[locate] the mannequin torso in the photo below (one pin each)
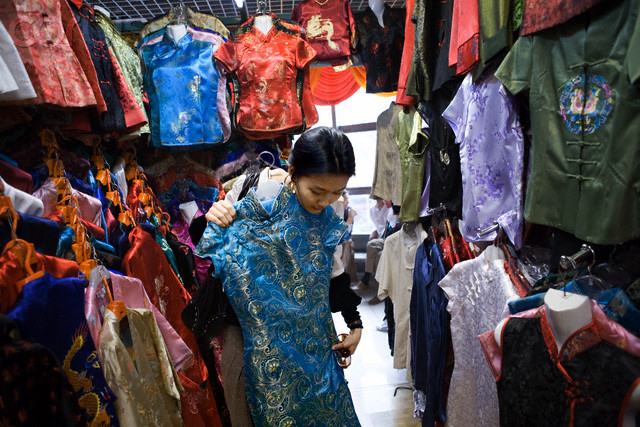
(263, 23)
(176, 32)
(377, 7)
(567, 313)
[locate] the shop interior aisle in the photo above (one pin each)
(372, 379)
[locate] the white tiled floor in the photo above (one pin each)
(372, 379)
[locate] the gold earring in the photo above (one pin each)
(292, 185)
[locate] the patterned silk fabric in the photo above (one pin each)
(195, 19)
(89, 207)
(583, 101)
(275, 267)
(587, 382)
(146, 261)
(127, 59)
(491, 158)
(478, 291)
(76, 37)
(464, 48)
(38, 31)
(131, 291)
(137, 367)
(329, 27)
(182, 83)
(50, 312)
(381, 48)
(539, 15)
(114, 118)
(216, 40)
(268, 67)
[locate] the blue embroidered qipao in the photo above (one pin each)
(181, 81)
(275, 263)
(51, 312)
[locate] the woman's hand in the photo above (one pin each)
(351, 215)
(221, 213)
(350, 342)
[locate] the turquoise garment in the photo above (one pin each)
(614, 302)
(275, 264)
(181, 81)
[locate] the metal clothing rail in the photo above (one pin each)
(144, 10)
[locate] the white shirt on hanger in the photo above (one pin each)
(395, 276)
(478, 291)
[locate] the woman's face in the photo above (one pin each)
(316, 192)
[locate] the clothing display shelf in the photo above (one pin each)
(144, 10)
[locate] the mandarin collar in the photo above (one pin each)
(184, 40)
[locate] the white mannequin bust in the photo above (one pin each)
(377, 7)
(567, 313)
(263, 23)
(177, 31)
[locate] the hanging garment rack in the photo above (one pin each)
(145, 10)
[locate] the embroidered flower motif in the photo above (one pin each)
(586, 101)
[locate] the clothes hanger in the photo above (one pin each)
(179, 13)
(25, 254)
(262, 19)
(409, 228)
(494, 252)
(103, 176)
(584, 258)
(269, 188)
(117, 307)
(262, 8)
(66, 203)
(24, 251)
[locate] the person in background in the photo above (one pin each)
(382, 216)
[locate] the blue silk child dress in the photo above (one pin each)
(181, 81)
(275, 264)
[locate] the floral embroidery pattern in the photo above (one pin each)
(586, 101)
(275, 269)
(491, 159)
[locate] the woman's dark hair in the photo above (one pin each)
(322, 150)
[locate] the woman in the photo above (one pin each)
(275, 264)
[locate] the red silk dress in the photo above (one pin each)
(268, 67)
(38, 31)
(146, 261)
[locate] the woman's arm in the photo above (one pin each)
(343, 299)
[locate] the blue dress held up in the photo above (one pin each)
(275, 264)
